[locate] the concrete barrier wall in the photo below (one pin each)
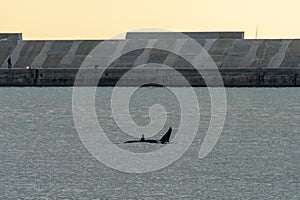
(227, 53)
(175, 35)
(45, 54)
(110, 77)
(241, 62)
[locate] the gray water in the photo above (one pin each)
(256, 157)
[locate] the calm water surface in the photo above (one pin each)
(257, 156)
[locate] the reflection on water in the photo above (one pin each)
(257, 155)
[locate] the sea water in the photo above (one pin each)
(256, 157)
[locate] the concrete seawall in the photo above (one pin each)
(231, 77)
(253, 63)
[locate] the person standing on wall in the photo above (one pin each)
(9, 62)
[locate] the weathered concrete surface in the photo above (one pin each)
(175, 35)
(241, 62)
(88, 77)
(10, 36)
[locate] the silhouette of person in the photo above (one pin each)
(9, 62)
(143, 138)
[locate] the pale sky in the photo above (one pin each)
(103, 19)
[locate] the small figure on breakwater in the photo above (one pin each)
(9, 63)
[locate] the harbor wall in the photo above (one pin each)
(241, 62)
(111, 77)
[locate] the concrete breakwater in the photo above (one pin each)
(231, 77)
(251, 63)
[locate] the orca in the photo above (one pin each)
(164, 140)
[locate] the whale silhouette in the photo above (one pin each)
(164, 140)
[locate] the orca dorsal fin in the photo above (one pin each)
(166, 137)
